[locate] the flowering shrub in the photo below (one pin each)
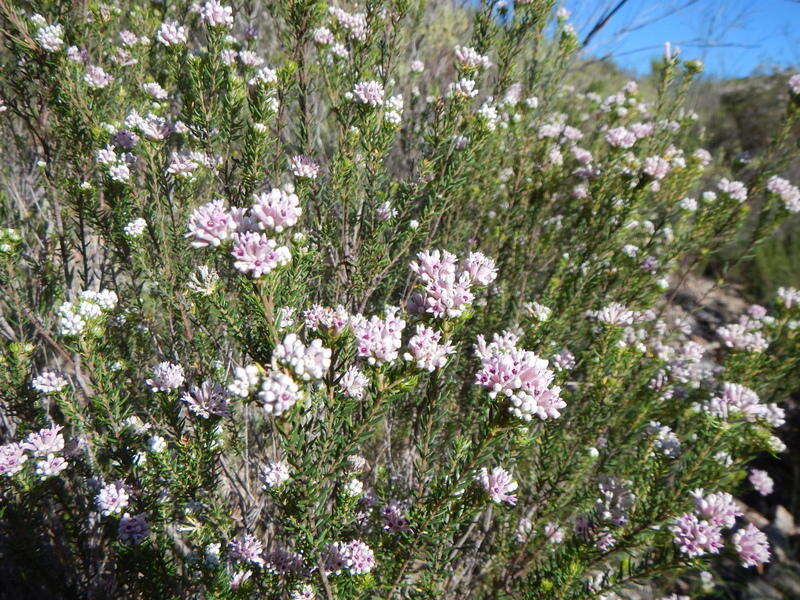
(286, 313)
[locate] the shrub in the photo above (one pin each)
(300, 303)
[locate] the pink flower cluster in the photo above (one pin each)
(752, 546)
(719, 508)
(739, 401)
(45, 445)
(246, 548)
(519, 375)
(112, 499)
(735, 189)
(355, 24)
(277, 209)
(761, 481)
(700, 532)
(207, 399)
(469, 58)
(448, 285)
(210, 224)
(498, 484)
(303, 167)
(278, 393)
(425, 349)
(256, 254)
(133, 529)
(620, 137)
(354, 383)
(308, 362)
(695, 536)
(329, 320)
(378, 340)
(215, 14)
(356, 557)
(166, 377)
(746, 334)
(788, 193)
(369, 92)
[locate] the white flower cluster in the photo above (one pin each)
(77, 317)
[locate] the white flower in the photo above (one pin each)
(50, 37)
(135, 228)
(156, 444)
(353, 488)
(48, 382)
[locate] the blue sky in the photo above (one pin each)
(732, 37)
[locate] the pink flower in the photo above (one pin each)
(424, 348)
(469, 58)
(394, 519)
(214, 14)
(171, 34)
(45, 441)
(278, 393)
(788, 193)
(284, 562)
(208, 399)
(369, 92)
(323, 36)
(735, 189)
(794, 84)
(246, 548)
(354, 383)
(524, 530)
(166, 377)
(97, 78)
(642, 130)
(447, 291)
(354, 23)
(520, 375)
(48, 382)
(133, 530)
(331, 320)
(303, 167)
(735, 400)
(743, 336)
(554, 533)
(480, 268)
(274, 474)
(257, 255)
(12, 458)
(276, 210)
(656, 167)
(51, 465)
(696, 537)
(210, 224)
(112, 499)
(498, 485)
(309, 362)
(360, 557)
(378, 340)
(619, 137)
(615, 314)
(752, 546)
(355, 556)
(761, 481)
(719, 508)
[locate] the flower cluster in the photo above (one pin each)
(447, 285)
(86, 313)
(519, 375)
(498, 485)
